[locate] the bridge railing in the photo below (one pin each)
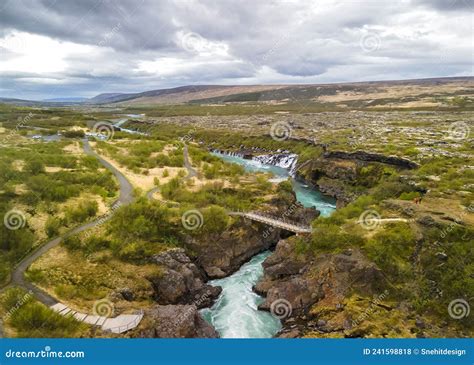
(128, 326)
(260, 216)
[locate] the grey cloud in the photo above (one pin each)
(448, 5)
(303, 41)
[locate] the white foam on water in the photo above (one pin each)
(235, 314)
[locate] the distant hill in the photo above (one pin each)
(107, 97)
(398, 93)
(19, 102)
(178, 95)
(409, 93)
(66, 100)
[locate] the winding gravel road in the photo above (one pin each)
(18, 278)
(125, 197)
(191, 173)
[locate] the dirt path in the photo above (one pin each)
(18, 278)
(191, 173)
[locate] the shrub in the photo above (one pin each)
(74, 134)
(285, 187)
(133, 252)
(369, 176)
(34, 167)
(35, 320)
(94, 244)
(409, 195)
(328, 237)
(90, 162)
(52, 226)
(390, 249)
(390, 189)
(84, 211)
(13, 298)
(72, 242)
(142, 220)
(215, 219)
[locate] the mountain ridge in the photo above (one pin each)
(325, 92)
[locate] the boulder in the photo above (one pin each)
(175, 321)
(181, 281)
(127, 294)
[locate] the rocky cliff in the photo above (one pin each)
(221, 254)
(372, 157)
(180, 289)
(181, 281)
(312, 285)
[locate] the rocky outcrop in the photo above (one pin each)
(310, 283)
(372, 157)
(302, 215)
(181, 281)
(336, 189)
(222, 254)
(333, 177)
(174, 321)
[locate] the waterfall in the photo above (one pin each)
(227, 153)
(287, 161)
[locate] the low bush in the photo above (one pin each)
(52, 226)
(82, 212)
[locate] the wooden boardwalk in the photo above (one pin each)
(274, 222)
(119, 324)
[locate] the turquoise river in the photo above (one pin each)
(235, 313)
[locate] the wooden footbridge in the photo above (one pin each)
(274, 222)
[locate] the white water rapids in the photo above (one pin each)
(235, 314)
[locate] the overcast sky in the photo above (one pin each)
(57, 48)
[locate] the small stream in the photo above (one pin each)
(235, 314)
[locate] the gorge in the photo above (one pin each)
(236, 312)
